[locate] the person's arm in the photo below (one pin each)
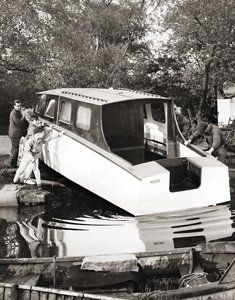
(193, 136)
(28, 145)
(17, 119)
(216, 140)
(51, 136)
(185, 126)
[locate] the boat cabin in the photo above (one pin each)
(128, 127)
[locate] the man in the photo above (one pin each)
(34, 122)
(182, 121)
(17, 128)
(30, 159)
(214, 139)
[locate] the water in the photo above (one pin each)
(86, 226)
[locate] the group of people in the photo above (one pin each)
(211, 132)
(28, 133)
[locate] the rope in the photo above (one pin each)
(188, 278)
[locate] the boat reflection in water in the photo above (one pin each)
(68, 230)
(72, 235)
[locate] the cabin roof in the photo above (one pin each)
(100, 96)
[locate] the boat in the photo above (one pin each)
(22, 292)
(122, 145)
(201, 270)
(215, 291)
(222, 289)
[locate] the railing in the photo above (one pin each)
(23, 292)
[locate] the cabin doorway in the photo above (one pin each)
(123, 128)
(155, 130)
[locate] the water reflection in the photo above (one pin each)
(68, 230)
(89, 236)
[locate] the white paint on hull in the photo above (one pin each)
(140, 189)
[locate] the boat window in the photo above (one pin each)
(50, 110)
(158, 112)
(83, 119)
(65, 112)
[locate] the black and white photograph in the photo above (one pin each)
(117, 149)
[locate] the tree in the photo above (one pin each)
(49, 44)
(202, 34)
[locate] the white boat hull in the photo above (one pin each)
(140, 189)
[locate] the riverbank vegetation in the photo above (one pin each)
(117, 43)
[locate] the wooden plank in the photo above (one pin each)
(60, 297)
(14, 292)
(217, 247)
(2, 291)
(79, 259)
(26, 279)
(24, 295)
(69, 298)
(7, 294)
(229, 275)
(35, 295)
(43, 295)
(52, 296)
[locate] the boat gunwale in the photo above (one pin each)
(198, 248)
(64, 259)
(62, 292)
(205, 289)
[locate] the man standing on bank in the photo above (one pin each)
(17, 128)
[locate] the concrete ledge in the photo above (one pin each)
(8, 195)
(14, 195)
(32, 196)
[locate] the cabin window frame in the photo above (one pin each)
(62, 102)
(83, 125)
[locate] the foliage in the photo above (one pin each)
(50, 44)
(202, 36)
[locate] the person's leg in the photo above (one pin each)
(21, 150)
(27, 173)
(37, 173)
(19, 176)
(14, 151)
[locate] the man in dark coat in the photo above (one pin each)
(214, 139)
(17, 128)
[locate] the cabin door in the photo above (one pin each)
(123, 128)
(159, 130)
